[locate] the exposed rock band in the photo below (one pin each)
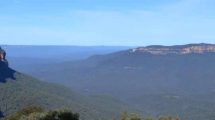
(3, 56)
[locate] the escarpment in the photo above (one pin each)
(179, 49)
(5, 71)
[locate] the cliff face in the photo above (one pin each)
(181, 49)
(3, 60)
(5, 71)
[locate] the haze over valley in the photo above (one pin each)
(153, 80)
(107, 60)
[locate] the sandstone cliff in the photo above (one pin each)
(180, 49)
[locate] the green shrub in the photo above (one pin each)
(37, 113)
(61, 115)
(126, 116)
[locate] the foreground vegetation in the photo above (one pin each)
(126, 116)
(37, 113)
(27, 91)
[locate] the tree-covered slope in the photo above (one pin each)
(150, 73)
(25, 91)
(19, 90)
(157, 79)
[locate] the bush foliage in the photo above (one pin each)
(37, 113)
(126, 116)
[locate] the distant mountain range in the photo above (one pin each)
(65, 53)
(24, 58)
(176, 80)
(19, 90)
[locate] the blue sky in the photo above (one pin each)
(107, 22)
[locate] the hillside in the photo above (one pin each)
(178, 73)
(19, 90)
(158, 79)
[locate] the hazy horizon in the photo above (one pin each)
(43, 45)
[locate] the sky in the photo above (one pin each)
(107, 22)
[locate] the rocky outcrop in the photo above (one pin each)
(5, 71)
(3, 60)
(180, 49)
